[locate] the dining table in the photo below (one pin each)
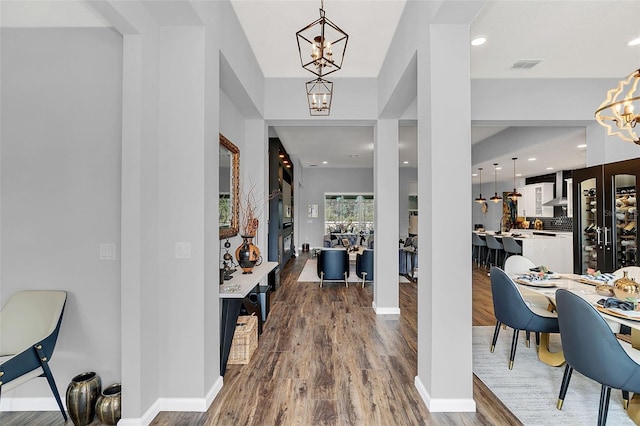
(585, 287)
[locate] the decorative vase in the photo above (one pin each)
(247, 254)
(108, 405)
(82, 394)
(626, 287)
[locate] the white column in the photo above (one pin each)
(385, 188)
(445, 377)
(254, 166)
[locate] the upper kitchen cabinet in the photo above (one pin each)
(534, 196)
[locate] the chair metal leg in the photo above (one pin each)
(495, 336)
(321, 278)
(364, 276)
(625, 399)
(603, 410)
(514, 346)
(564, 386)
(527, 338)
(345, 279)
(44, 362)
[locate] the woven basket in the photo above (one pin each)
(245, 340)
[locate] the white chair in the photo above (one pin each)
(632, 272)
(29, 326)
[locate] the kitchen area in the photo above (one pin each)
(578, 221)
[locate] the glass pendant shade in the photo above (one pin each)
(322, 45)
(480, 198)
(496, 198)
(514, 195)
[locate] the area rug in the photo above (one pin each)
(309, 274)
(531, 389)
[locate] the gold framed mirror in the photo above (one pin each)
(229, 173)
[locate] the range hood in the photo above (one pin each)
(558, 201)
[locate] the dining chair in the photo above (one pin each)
(493, 246)
(29, 325)
(333, 264)
(511, 310)
(364, 266)
(510, 246)
(596, 354)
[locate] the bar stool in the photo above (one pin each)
(511, 246)
(493, 246)
(477, 248)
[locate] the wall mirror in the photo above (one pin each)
(229, 188)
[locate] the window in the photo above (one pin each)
(348, 213)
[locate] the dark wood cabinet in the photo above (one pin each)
(605, 216)
(281, 207)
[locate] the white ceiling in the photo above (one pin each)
(573, 39)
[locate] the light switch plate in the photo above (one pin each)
(107, 251)
(182, 250)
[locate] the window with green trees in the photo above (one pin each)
(348, 213)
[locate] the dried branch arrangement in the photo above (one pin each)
(251, 204)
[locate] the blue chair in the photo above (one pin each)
(333, 264)
(478, 246)
(364, 266)
(494, 247)
(591, 348)
(511, 310)
(29, 326)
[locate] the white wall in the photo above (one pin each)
(61, 165)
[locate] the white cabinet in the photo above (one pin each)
(533, 198)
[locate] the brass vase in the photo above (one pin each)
(108, 405)
(247, 254)
(82, 394)
(626, 287)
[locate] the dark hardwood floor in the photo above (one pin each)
(325, 358)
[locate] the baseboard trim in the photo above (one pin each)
(445, 405)
(30, 404)
(385, 311)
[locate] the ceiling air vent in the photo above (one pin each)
(525, 64)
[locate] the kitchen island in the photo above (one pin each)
(551, 249)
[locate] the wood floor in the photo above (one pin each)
(325, 358)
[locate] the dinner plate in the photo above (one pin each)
(635, 315)
(543, 283)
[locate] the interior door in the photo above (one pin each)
(588, 223)
(620, 232)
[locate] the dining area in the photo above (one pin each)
(593, 321)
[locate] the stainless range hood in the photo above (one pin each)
(558, 201)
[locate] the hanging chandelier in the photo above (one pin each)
(480, 198)
(616, 113)
(495, 198)
(514, 195)
(319, 94)
(321, 45)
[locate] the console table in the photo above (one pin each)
(232, 293)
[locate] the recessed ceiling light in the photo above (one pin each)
(532, 159)
(498, 168)
(478, 41)
(634, 42)
(582, 145)
(519, 174)
(405, 162)
(474, 174)
(549, 168)
(325, 162)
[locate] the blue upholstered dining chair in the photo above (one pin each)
(29, 325)
(364, 266)
(511, 247)
(494, 247)
(333, 264)
(511, 310)
(591, 348)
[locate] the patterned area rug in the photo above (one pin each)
(531, 389)
(309, 274)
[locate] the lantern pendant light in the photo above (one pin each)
(480, 198)
(514, 195)
(495, 198)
